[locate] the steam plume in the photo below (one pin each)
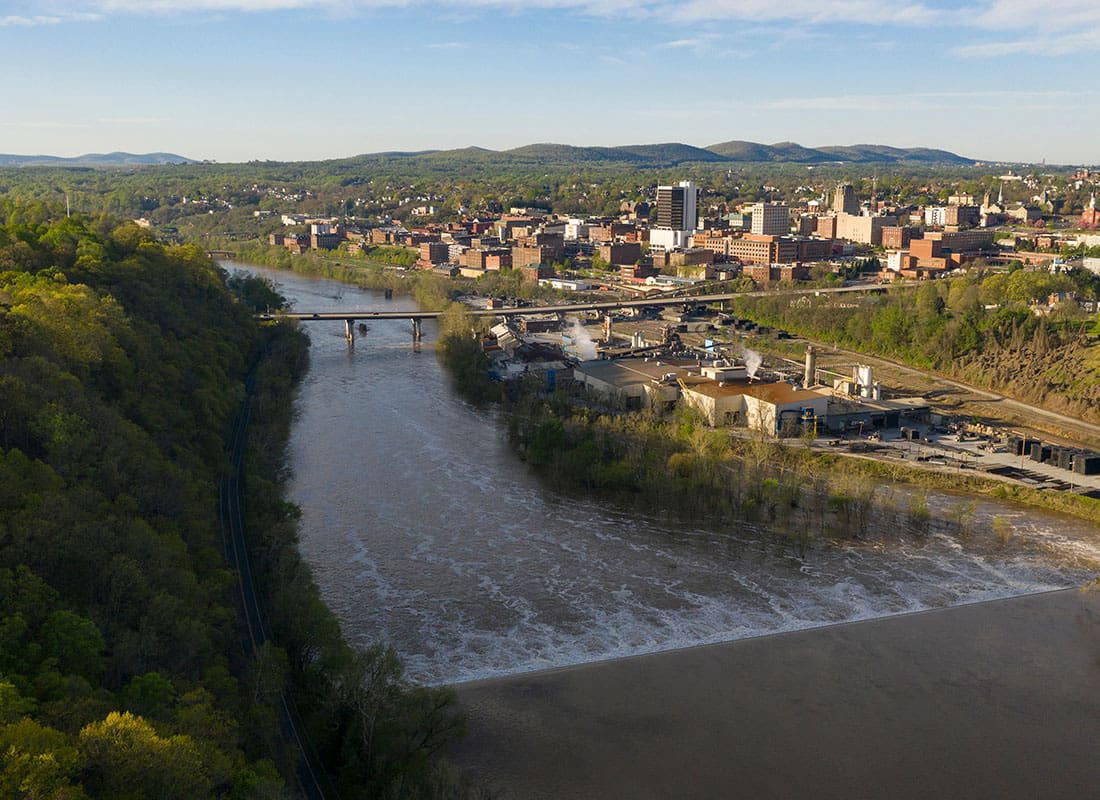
(584, 344)
(752, 360)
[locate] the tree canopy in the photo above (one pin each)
(123, 669)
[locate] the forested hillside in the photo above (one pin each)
(124, 672)
(999, 330)
(121, 363)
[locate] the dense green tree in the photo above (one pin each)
(122, 670)
(125, 757)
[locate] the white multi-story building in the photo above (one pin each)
(576, 228)
(771, 219)
(935, 216)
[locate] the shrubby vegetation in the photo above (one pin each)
(459, 348)
(674, 464)
(123, 668)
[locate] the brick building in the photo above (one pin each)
(552, 243)
(634, 273)
(962, 216)
(898, 237)
(864, 230)
(620, 252)
(963, 241)
(717, 241)
(609, 232)
(434, 252)
(826, 227)
(535, 272)
(493, 258)
(753, 249)
(527, 255)
(771, 273)
(324, 241)
(1090, 218)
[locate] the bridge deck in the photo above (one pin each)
(609, 305)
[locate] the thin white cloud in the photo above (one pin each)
(810, 11)
(1048, 28)
(997, 99)
(834, 102)
(13, 20)
(132, 120)
(1050, 15)
(43, 124)
(34, 20)
(184, 6)
(447, 46)
(707, 44)
(1037, 45)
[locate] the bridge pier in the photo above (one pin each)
(349, 330)
(416, 329)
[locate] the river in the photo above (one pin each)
(425, 531)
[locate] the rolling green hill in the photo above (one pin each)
(94, 160)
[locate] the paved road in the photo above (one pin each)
(563, 308)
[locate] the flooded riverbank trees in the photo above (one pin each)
(674, 465)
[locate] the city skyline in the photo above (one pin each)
(237, 80)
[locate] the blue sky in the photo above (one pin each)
(234, 80)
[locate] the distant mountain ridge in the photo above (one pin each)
(670, 154)
(95, 160)
(793, 153)
(667, 154)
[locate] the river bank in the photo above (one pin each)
(426, 531)
(998, 699)
(616, 477)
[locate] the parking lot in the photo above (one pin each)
(945, 451)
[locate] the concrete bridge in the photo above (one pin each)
(350, 317)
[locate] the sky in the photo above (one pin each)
(238, 80)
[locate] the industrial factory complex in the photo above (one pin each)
(673, 360)
(727, 384)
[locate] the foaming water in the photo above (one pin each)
(425, 531)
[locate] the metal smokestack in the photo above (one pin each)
(810, 378)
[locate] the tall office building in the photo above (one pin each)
(771, 219)
(676, 215)
(844, 201)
